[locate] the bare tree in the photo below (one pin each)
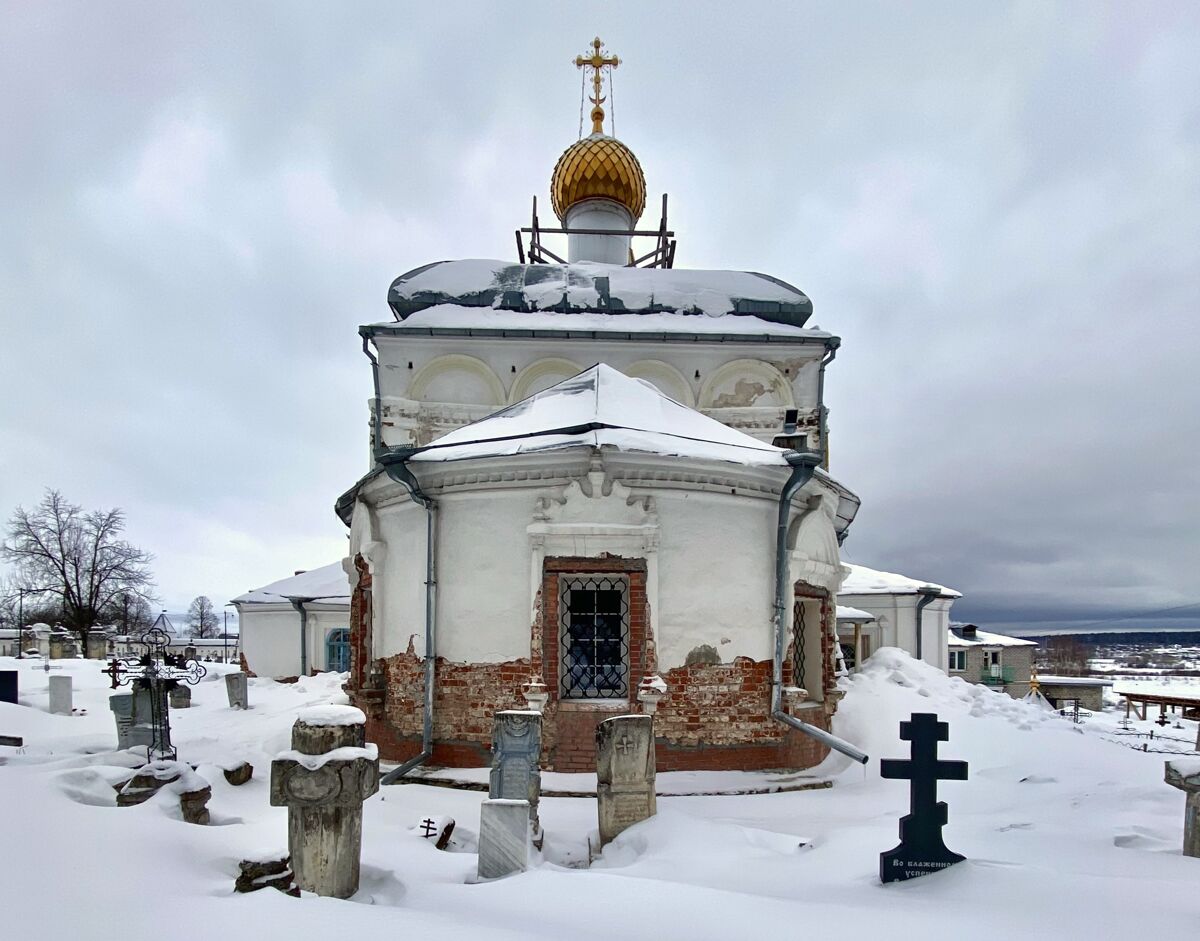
(201, 618)
(77, 557)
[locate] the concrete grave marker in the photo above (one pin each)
(921, 850)
(61, 699)
(503, 837)
(1184, 773)
(8, 686)
(516, 752)
(323, 782)
(180, 697)
(625, 773)
(237, 688)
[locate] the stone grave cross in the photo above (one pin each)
(157, 671)
(921, 850)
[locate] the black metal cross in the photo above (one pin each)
(159, 671)
(921, 848)
(429, 827)
(923, 768)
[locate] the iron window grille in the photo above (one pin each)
(593, 613)
(798, 658)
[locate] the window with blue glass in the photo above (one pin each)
(337, 650)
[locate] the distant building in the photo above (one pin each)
(894, 605)
(298, 625)
(997, 660)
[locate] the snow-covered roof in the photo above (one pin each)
(598, 288)
(464, 318)
(601, 407)
(959, 637)
(328, 583)
(865, 581)
(1049, 680)
(847, 613)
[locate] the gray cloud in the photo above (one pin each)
(994, 207)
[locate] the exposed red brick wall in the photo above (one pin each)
(714, 716)
(360, 624)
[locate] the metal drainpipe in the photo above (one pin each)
(376, 417)
(928, 594)
(804, 465)
(298, 604)
(831, 348)
(397, 470)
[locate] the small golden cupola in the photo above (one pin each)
(598, 182)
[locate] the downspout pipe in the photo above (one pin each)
(377, 404)
(298, 604)
(928, 594)
(804, 464)
(393, 461)
(831, 348)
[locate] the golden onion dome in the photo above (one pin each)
(598, 167)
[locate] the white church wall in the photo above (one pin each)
(709, 555)
(270, 639)
(716, 583)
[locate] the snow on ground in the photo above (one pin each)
(1066, 833)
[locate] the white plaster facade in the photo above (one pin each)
(270, 625)
(893, 600)
(430, 385)
(706, 533)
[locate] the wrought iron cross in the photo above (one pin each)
(159, 671)
(429, 827)
(596, 62)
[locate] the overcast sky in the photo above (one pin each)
(997, 207)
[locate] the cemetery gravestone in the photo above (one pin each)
(503, 837)
(324, 795)
(921, 850)
(8, 686)
(516, 752)
(1184, 773)
(237, 688)
(61, 699)
(625, 773)
(180, 697)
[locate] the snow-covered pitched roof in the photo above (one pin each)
(1048, 680)
(984, 639)
(328, 583)
(462, 317)
(847, 613)
(865, 581)
(603, 289)
(601, 407)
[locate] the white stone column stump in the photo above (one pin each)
(323, 782)
(1184, 773)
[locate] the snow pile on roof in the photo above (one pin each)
(601, 407)
(328, 583)
(984, 639)
(847, 613)
(865, 581)
(1176, 687)
(590, 286)
(1049, 680)
(459, 317)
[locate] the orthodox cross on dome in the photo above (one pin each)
(596, 62)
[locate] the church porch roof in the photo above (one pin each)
(328, 583)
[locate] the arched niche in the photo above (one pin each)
(746, 383)
(540, 375)
(664, 377)
(458, 379)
